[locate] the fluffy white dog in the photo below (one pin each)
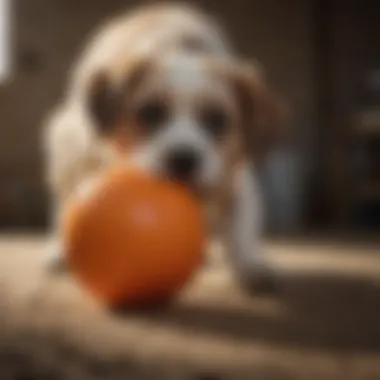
(164, 84)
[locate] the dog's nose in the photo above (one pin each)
(182, 163)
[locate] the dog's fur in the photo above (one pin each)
(152, 85)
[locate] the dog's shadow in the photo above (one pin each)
(328, 312)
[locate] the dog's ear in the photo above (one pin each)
(263, 114)
(104, 102)
(107, 96)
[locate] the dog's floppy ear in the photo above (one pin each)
(107, 96)
(103, 102)
(263, 114)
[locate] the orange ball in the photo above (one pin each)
(134, 238)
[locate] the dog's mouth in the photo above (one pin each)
(191, 185)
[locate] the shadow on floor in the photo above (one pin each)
(328, 312)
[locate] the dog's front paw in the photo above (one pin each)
(54, 260)
(261, 281)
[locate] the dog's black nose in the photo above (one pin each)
(182, 163)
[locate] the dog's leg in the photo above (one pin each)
(65, 146)
(244, 234)
(54, 259)
(62, 185)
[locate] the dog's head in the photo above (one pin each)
(184, 115)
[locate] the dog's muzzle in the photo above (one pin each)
(182, 163)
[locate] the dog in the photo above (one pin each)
(161, 87)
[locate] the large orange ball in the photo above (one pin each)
(134, 238)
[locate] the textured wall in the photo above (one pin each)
(47, 35)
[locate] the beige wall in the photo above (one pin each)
(48, 34)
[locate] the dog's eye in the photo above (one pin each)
(215, 121)
(152, 115)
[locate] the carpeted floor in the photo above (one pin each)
(324, 325)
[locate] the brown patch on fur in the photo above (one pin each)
(109, 97)
(263, 114)
(260, 114)
(102, 102)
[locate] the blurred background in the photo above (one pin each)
(323, 56)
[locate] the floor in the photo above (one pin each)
(323, 325)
